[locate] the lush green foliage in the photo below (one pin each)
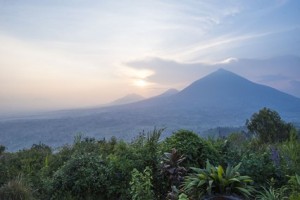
(28, 162)
(273, 194)
(16, 189)
(268, 126)
(196, 150)
(290, 156)
(183, 197)
(83, 176)
(294, 184)
(256, 163)
(215, 180)
(150, 168)
(140, 185)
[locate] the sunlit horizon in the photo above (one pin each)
(62, 55)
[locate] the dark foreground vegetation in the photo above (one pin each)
(263, 163)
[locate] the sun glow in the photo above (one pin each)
(140, 83)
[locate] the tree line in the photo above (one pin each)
(259, 164)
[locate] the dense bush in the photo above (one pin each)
(82, 176)
(171, 167)
(28, 162)
(103, 169)
(256, 164)
(213, 180)
(233, 147)
(141, 185)
(143, 151)
(196, 150)
(272, 193)
(16, 189)
(294, 184)
(290, 156)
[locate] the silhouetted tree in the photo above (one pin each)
(268, 126)
(2, 149)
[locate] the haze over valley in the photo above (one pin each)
(149, 99)
(118, 68)
(220, 99)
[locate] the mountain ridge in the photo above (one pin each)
(129, 98)
(221, 98)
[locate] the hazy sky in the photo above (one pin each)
(61, 54)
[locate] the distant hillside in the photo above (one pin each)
(221, 99)
(130, 98)
(169, 92)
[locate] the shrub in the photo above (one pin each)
(83, 176)
(272, 194)
(214, 180)
(256, 163)
(289, 151)
(143, 151)
(140, 185)
(171, 167)
(233, 148)
(294, 184)
(28, 162)
(16, 189)
(195, 149)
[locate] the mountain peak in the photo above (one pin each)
(222, 71)
(222, 76)
(218, 83)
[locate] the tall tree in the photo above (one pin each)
(268, 126)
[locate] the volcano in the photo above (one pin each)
(221, 98)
